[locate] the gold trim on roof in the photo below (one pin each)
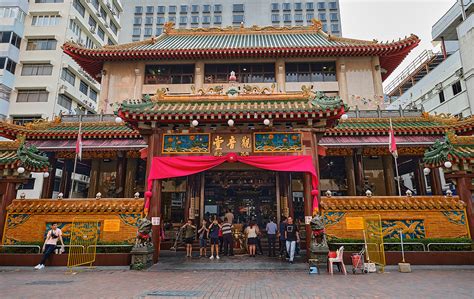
(160, 97)
(459, 140)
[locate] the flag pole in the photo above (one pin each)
(75, 160)
(395, 156)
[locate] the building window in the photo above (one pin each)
(456, 87)
(332, 5)
(149, 9)
(275, 6)
(32, 96)
(92, 23)
(309, 16)
(183, 9)
(275, 18)
(169, 74)
(113, 27)
(101, 33)
(237, 19)
(138, 10)
(298, 17)
(93, 95)
(148, 32)
(45, 20)
(206, 19)
(309, 6)
(311, 72)
(65, 101)
(218, 8)
(44, 69)
(194, 8)
(298, 6)
(286, 6)
(238, 8)
(286, 17)
(194, 20)
(172, 9)
(160, 20)
(103, 13)
(217, 19)
(172, 19)
(325, 27)
(137, 31)
(75, 28)
(7, 64)
(161, 9)
(137, 20)
(10, 37)
(49, 1)
(441, 96)
(83, 87)
(333, 16)
(22, 120)
(68, 76)
(79, 7)
(334, 28)
(183, 20)
(149, 21)
(206, 8)
(245, 73)
(159, 31)
(41, 44)
(322, 16)
(321, 5)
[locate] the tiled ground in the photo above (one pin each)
(231, 282)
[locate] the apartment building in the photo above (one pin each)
(442, 82)
(12, 18)
(48, 82)
(143, 19)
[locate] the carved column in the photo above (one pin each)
(435, 179)
(350, 176)
(280, 75)
(48, 183)
(308, 207)
(359, 173)
(120, 175)
(65, 185)
(464, 185)
(199, 75)
(130, 177)
(94, 178)
(341, 79)
(419, 177)
(388, 175)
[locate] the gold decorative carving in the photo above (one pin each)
(216, 90)
(317, 25)
(445, 118)
(88, 155)
(339, 151)
(249, 89)
(455, 139)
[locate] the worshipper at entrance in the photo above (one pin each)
(230, 216)
(292, 236)
(282, 239)
(228, 238)
(50, 244)
(214, 229)
(252, 232)
(189, 235)
(271, 233)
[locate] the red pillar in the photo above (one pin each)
(464, 191)
(48, 183)
(435, 179)
(7, 195)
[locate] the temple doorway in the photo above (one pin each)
(249, 194)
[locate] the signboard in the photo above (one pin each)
(155, 220)
(355, 223)
(111, 225)
(186, 143)
(278, 142)
(223, 144)
(307, 219)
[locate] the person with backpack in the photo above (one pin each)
(214, 229)
(189, 234)
(203, 232)
(50, 244)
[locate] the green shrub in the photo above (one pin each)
(26, 250)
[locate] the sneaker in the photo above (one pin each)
(38, 266)
(41, 267)
(217, 257)
(211, 257)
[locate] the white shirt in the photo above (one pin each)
(53, 241)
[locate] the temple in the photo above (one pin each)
(261, 121)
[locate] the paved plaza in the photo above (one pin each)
(116, 282)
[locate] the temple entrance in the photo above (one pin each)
(249, 194)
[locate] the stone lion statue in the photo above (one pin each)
(143, 233)
(318, 237)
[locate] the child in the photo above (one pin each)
(203, 232)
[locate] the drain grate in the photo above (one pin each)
(175, 293)
(48, 282)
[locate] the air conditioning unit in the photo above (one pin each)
(114, 13)
(93, 29)
(109, 6)
(106, 25)
(62, 88)
(99, 15)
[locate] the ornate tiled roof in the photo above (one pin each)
(425, 124)
(76, 206)
(380, 203)
(282, 107)
(14, 154)
(68, 130)
(459, 150)
(218, 43)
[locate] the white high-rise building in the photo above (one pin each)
(143, 19)
(12, 18)
(48, 82)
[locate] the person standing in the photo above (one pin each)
(203, 232)
(271, 233)
(230, 216)
(292, 236)
(214, 229)
(228, 238)
(189, 235)
(50, 244)
(282, 240)
(251, 231)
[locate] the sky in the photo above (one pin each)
(391, 19)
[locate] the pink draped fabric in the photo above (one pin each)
(171, 167)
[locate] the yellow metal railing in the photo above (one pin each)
(84, 236)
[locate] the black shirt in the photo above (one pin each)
(291, 230)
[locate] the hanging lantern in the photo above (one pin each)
(230, 122)
(344, 116)
(426, 171)
(46, 174)
(194, 123)
(118, 120)
(266, 122)
(20, 170)
(448, 164)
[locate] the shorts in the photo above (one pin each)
(189, 240)
(215, 241)
(202, 243)
(252, 241)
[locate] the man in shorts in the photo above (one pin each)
(214, 229)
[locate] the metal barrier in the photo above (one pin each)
(24, 246)
(408, 243)
(405, 243)
(429, 244)
(105, 245)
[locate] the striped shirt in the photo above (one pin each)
(227, 228)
